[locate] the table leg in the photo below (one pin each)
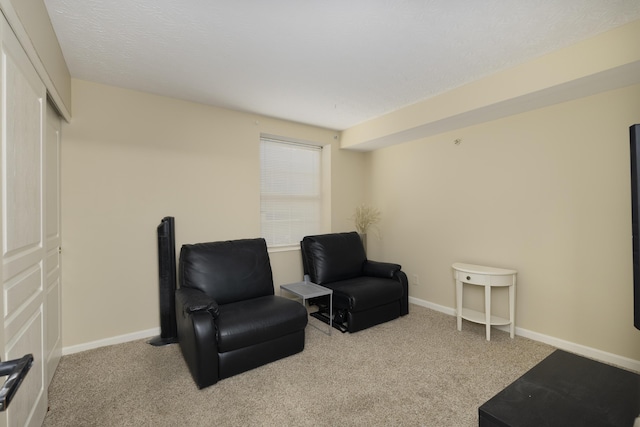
(512, 310)
(330, 312)
(459, 304)
(487, 310)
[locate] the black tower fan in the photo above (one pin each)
(167, 271)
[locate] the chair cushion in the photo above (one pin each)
(363, 293)
(333, 257)
(257, 320)
(227, 271)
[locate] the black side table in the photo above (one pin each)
(566, 390)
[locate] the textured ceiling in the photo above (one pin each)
(331, 63)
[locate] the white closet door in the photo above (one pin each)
(23, 101)
(53, 293)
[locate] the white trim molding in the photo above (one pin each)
(592, 353)
(21, 33)
(111, 341)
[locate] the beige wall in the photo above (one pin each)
(545, 192)
(128, 160)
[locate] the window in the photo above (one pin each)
(290, 191)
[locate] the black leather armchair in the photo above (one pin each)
(365, 293)
(228, 318)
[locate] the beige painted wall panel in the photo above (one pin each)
(546, 193)
(128, 160)
(350, 186)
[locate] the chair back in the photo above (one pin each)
(328, 258)
(229, 271)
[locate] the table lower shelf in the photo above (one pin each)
(479, 317)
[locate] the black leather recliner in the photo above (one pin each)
(228, 318)
(365, 293)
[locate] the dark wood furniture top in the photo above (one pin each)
(566, 390)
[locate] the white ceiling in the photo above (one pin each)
(331, 63)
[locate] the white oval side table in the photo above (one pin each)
(488, 277)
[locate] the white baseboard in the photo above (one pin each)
(592, 353)
(441, 308)
(111, 341)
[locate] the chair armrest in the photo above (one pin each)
(196, 315)
(392, 271)
(385, 270)
(193, 300)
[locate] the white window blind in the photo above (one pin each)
(290, 191)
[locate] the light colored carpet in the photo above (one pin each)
(414, 371)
